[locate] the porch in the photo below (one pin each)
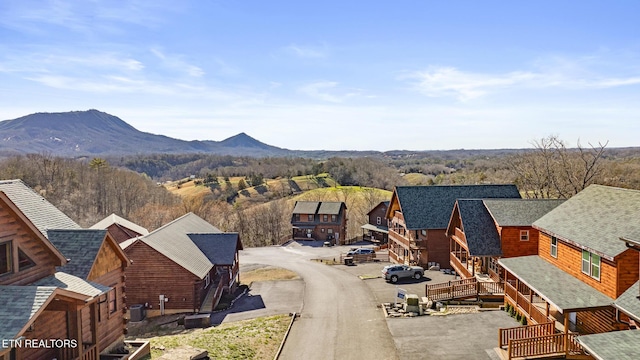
(463, 289)
(469, 263)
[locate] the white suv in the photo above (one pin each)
(361, 251)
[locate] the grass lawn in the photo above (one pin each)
(267, 274)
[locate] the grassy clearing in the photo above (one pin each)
(249, 339)
(267, 274)
(418, 179)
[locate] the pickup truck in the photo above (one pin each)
(395, 272)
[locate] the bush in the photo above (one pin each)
(518, 317)
(523, 321)
(507, 308)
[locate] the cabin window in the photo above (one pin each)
(325, 218)
(5, 258)
(554, 246)
(378, 220)
(423, 232)
(330, 231)
(591, 264)
(322, 230)
(297, 217)
(310, 217)
(207, 281)
(524, 235)
(111, 299)
(334, 218)
(24, 262)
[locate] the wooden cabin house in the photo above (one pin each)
(167, 264)
(40, 300)
(315, 220)
(419, 216)
(377, 227)
(483, 230)
(581, 269)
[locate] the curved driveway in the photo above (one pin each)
(339, 316)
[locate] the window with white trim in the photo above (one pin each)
(591, 264)
(554, 246)
(524, 235)
(378, 220)
(310, 217)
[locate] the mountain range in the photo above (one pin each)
(93, 133)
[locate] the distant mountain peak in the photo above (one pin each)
(245, 141)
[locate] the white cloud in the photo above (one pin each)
(326, 91)
(309, 52)
(465, 86)
(176, 62)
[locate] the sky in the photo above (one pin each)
(333, 75)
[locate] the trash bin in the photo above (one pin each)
(348, 260)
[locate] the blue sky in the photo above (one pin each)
(360, 75)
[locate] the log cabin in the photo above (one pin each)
(377, 227)
(168, 265)
(40, 300)
(315, 220)
(120, 228)
(483, 230)
(581, 269)
(419, 215)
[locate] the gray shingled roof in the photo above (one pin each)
(172, 241)
(616, 345)
(306, 207)
(629, 301)
(115, 219)
(40, 212)
(429, 207)
(220, 249)
(479, 229)
(73, 283)
(19, 305)
(80, 246)
(520, 212)
(330, 207)
(595, 219)
(557, 287)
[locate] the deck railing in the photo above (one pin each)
(524, 332)
(459, 266)
(544, 346)
(526, 307)
(463, 288)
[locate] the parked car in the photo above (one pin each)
(395, 272)
(361, 251)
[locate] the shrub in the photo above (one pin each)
(518, 317)
(524, 321)
(507, 308)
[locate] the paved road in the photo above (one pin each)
(339, 316)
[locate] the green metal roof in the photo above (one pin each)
(564, 291)
(595, 219)
(520, 212)
(616, 345)
(80, 246)
(429, 207)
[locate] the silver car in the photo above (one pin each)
(395, 272)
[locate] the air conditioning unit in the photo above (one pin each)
(138, 312)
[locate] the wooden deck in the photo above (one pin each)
(463, 289)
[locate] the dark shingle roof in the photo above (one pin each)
(595, 219)
(629, 301)
(429, 207)
(40, 212)
(306, 207)
(172, 241)
(479, 229)
(616, 345)
(220, 249)
(80, 246)
(520, 212)
(557, 287)
(19, 305)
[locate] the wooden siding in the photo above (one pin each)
(49, 325)
(111, 327)
(120, 234)
(596, 322)
(21, 237)
(379, 211)
(106, 261)
(437, 247)
(512, 246)
(569, 260)
(152, 274)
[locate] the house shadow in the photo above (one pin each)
(246, 302)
